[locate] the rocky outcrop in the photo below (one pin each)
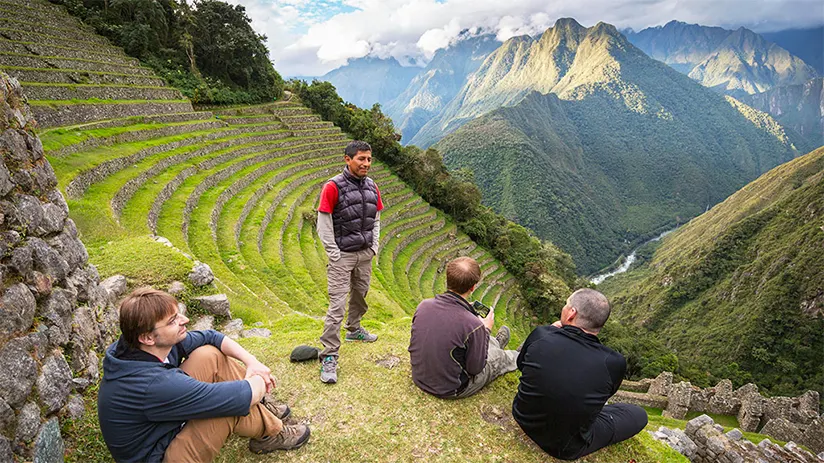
(54, 316)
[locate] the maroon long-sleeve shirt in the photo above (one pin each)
(448, 345)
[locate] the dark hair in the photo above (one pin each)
(462, 274)
(141, 310)
(356, 146)
(593, 308)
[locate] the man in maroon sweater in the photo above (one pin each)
(451, 350)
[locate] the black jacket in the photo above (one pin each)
(567, 377)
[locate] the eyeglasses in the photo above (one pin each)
(172, 322)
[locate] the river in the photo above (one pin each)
(598, 279)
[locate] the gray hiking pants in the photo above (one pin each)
(348, 275)
(498, 362)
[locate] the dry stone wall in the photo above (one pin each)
(780, 417)
(54, 316)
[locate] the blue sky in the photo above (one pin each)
(312, 37)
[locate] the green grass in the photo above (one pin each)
(67, 136)
(97, 101)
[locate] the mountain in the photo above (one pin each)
(438, 83)
(745, 63)
(366, 81)
(799, 108)
(733, 62)
(679, 44)
(739, 291)
(807, 44)
(594, 145)
(519, 66)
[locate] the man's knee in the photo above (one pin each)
(205, 352)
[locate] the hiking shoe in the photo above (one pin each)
(289, 438)
(503, 336)
(281, 411)
(329, 370)
(361, 334)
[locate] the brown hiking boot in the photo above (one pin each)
(289, 438)
(281, 411)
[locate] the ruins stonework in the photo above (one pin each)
(55, 318)
(794, 419)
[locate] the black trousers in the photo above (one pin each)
(615, 423)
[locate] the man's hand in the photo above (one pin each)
(256, 368)
(489, 321)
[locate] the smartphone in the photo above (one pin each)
(482, 310)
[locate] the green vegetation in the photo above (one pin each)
(207, 49)
(737, 292)
(544, 273)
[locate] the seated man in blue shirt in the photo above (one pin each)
(155, 407)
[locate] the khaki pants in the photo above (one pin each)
(201, 440)
(348, 275)
(498, 362)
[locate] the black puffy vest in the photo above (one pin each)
(354, 215)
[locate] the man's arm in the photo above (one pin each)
(175, 396)
(477, 345)
(326, 232)
(253, 367)
(376, 233)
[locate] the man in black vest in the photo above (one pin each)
(349, 227)
(567, 377)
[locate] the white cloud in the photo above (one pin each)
(305, 40)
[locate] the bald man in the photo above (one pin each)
(567, 378)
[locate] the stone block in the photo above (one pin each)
(54, 384)
(181, 308)
(17, 310)
(256, 333)
(201, 275)
(233, 328)
(84, 335)
(56, 312)
(18, 372)
(5, 180)
(679, 399)
(782, 429)
(48, 261)
(28, 422)
(54, 217)
(734, 434)
(6, 415)
(5, 450)
(777, 407)
(752, 408)
(75, 408)
(217, 305)
(49, 448)
(206, 322)
(697, 423)
(661, 384)
(70, 247)
(116, 287)
(809, 401)
(176, 287)
(813, 436)
(22, 261)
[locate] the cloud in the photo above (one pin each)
(310, 37)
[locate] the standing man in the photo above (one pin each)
(451, 350)
(568, 376)
(153, 406)
(349, 217)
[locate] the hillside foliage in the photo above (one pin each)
(737, 293)
(207, 49)
(545, 273)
